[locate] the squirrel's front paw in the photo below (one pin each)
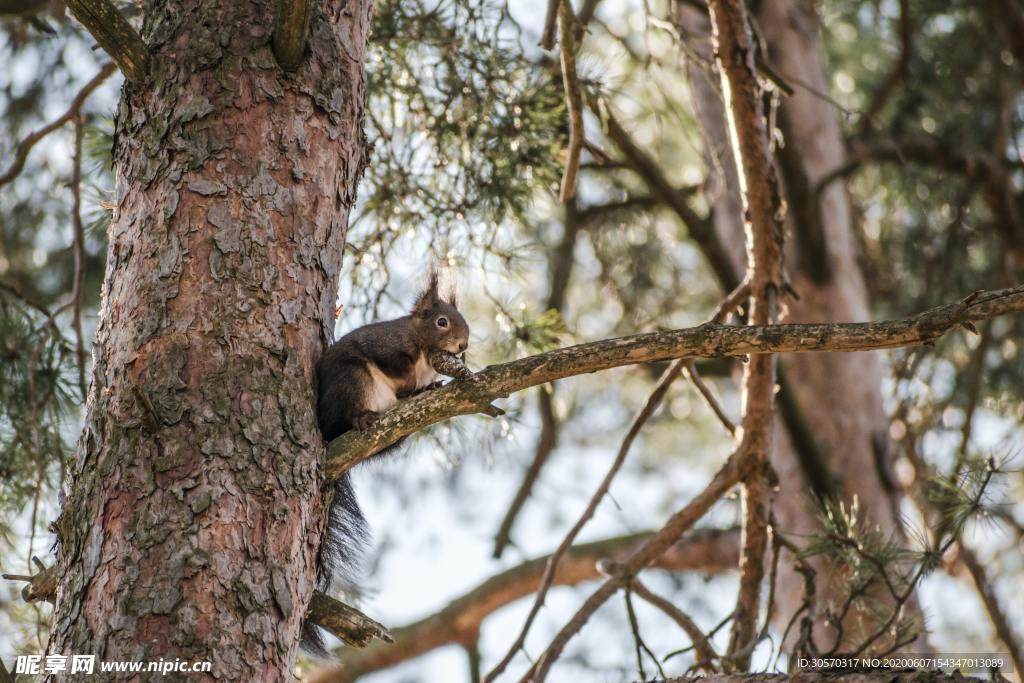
(365, 420)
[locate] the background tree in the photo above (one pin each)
(469, 128)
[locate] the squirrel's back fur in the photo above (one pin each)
(362, 374)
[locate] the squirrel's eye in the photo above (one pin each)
(442, 322)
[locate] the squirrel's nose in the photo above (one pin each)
(462, 346)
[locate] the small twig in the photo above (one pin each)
(805, 643)
(700, 641)
(26, 145)
(709, 397)
(1001, 621)
(703, 663)
(573, 99)
(15, 290)
(641, 646)
(973, 390)
(732, 301)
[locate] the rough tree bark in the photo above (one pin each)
(835, 440)
(193, 519)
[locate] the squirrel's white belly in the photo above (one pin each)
(381, 393)
(423, 372)
(383, 390)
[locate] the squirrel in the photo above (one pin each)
(361, 375)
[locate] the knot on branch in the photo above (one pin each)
(959, 314)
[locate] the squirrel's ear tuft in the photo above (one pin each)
(451, 294)
(428, 298)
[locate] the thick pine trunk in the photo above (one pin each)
(835, 437)
(192, 524)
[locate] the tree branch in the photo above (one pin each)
(899, 70)
(710, 340)
(706, 550)
(291, 30)
(114, 34)
(573, 98)
(26, 145)
(763, 208)
(347, 623)
(700, 228)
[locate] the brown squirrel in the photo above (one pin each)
(363, 374)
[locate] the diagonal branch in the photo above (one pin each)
(710, 340)
(114, 34)
(26, 145)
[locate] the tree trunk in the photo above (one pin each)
(193, 521)
(835, 440)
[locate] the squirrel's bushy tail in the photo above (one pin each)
(340, 550)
